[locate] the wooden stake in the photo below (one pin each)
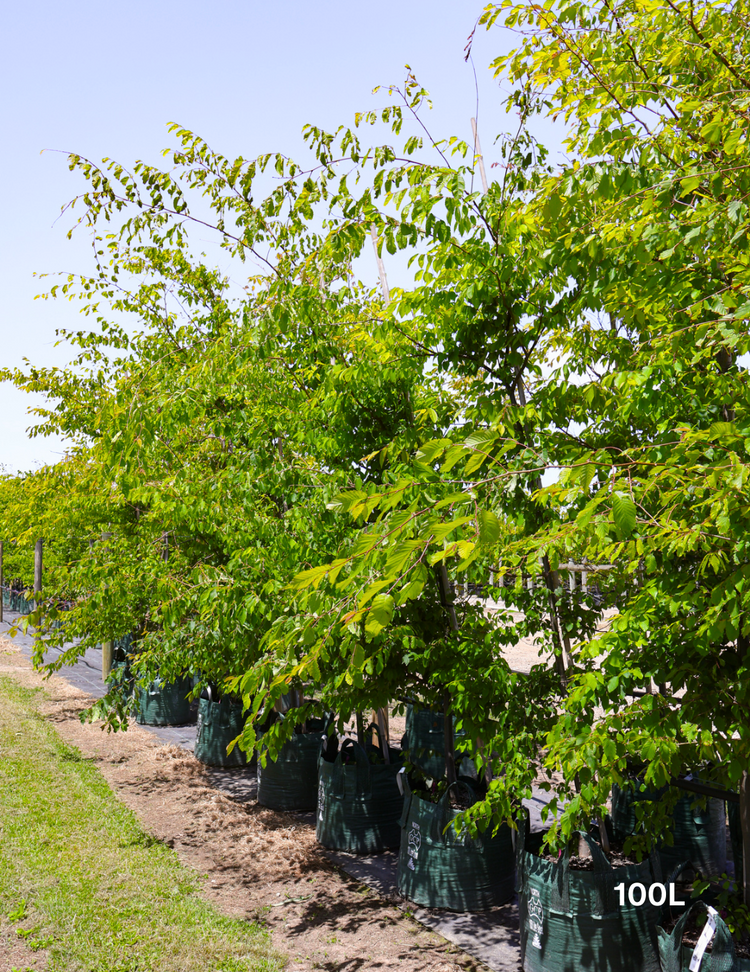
(108, 647)
(108, 658)
(2, 589)
(478, 155)
(37, 571)
(447, 601)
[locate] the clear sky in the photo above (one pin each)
(104, 79)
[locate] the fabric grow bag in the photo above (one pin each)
(571, 921)
(218, 724)
(425, 740)
(440, 868)
(676, 957)
(359, 803)
(700, 836)
(291, 781)
(165, 703)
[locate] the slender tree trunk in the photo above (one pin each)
(745, 825)
(108, 657)
(380, 718)
(38, 548)
(447, 601)
(449, 739)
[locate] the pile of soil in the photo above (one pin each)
(617, 858)
(694, 927)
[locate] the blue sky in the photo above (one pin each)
(104, 79)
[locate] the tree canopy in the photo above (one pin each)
(280, 477)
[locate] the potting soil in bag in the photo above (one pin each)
(290, 782)
(700, 836)
(440, 868)
(572, 920)
(359, 801)
(218, 724)
(676, 956)
(165, 703)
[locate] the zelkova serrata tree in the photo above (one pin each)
(213, 430)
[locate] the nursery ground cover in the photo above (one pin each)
(258, 866)
(82, 883)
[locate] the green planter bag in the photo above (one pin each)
(700, 836)
(218, 724)
(291, 781)
(572, 921)
(165, 703)
(440, 869)
(425, 740)
(676, 957)
(359, 802)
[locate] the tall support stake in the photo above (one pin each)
(37, 571)
(478, 155)
(447, 601)
(381, 267)
(108, 647)
(2, 583)
(380, 718)
(108, 658)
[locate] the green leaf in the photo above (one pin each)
(489, 527)
(309, 578)
(624, 513)
(380, 614)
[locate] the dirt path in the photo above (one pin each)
(258, 863)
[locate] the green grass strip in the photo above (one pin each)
(79, 876)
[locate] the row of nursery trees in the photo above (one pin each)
(274, 473)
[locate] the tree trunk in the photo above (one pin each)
(745, 825)
(108, 655)
(448, 739)
(37, 570)
(447, 601)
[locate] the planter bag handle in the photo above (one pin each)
(363, 770)
(403, 784)
(384, 746)
(442, 817)
(677, 871)
(606, 901)
(376, 727)
(209, 719)
(156, 686)
(722, 958)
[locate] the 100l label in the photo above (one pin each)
(656, 894)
